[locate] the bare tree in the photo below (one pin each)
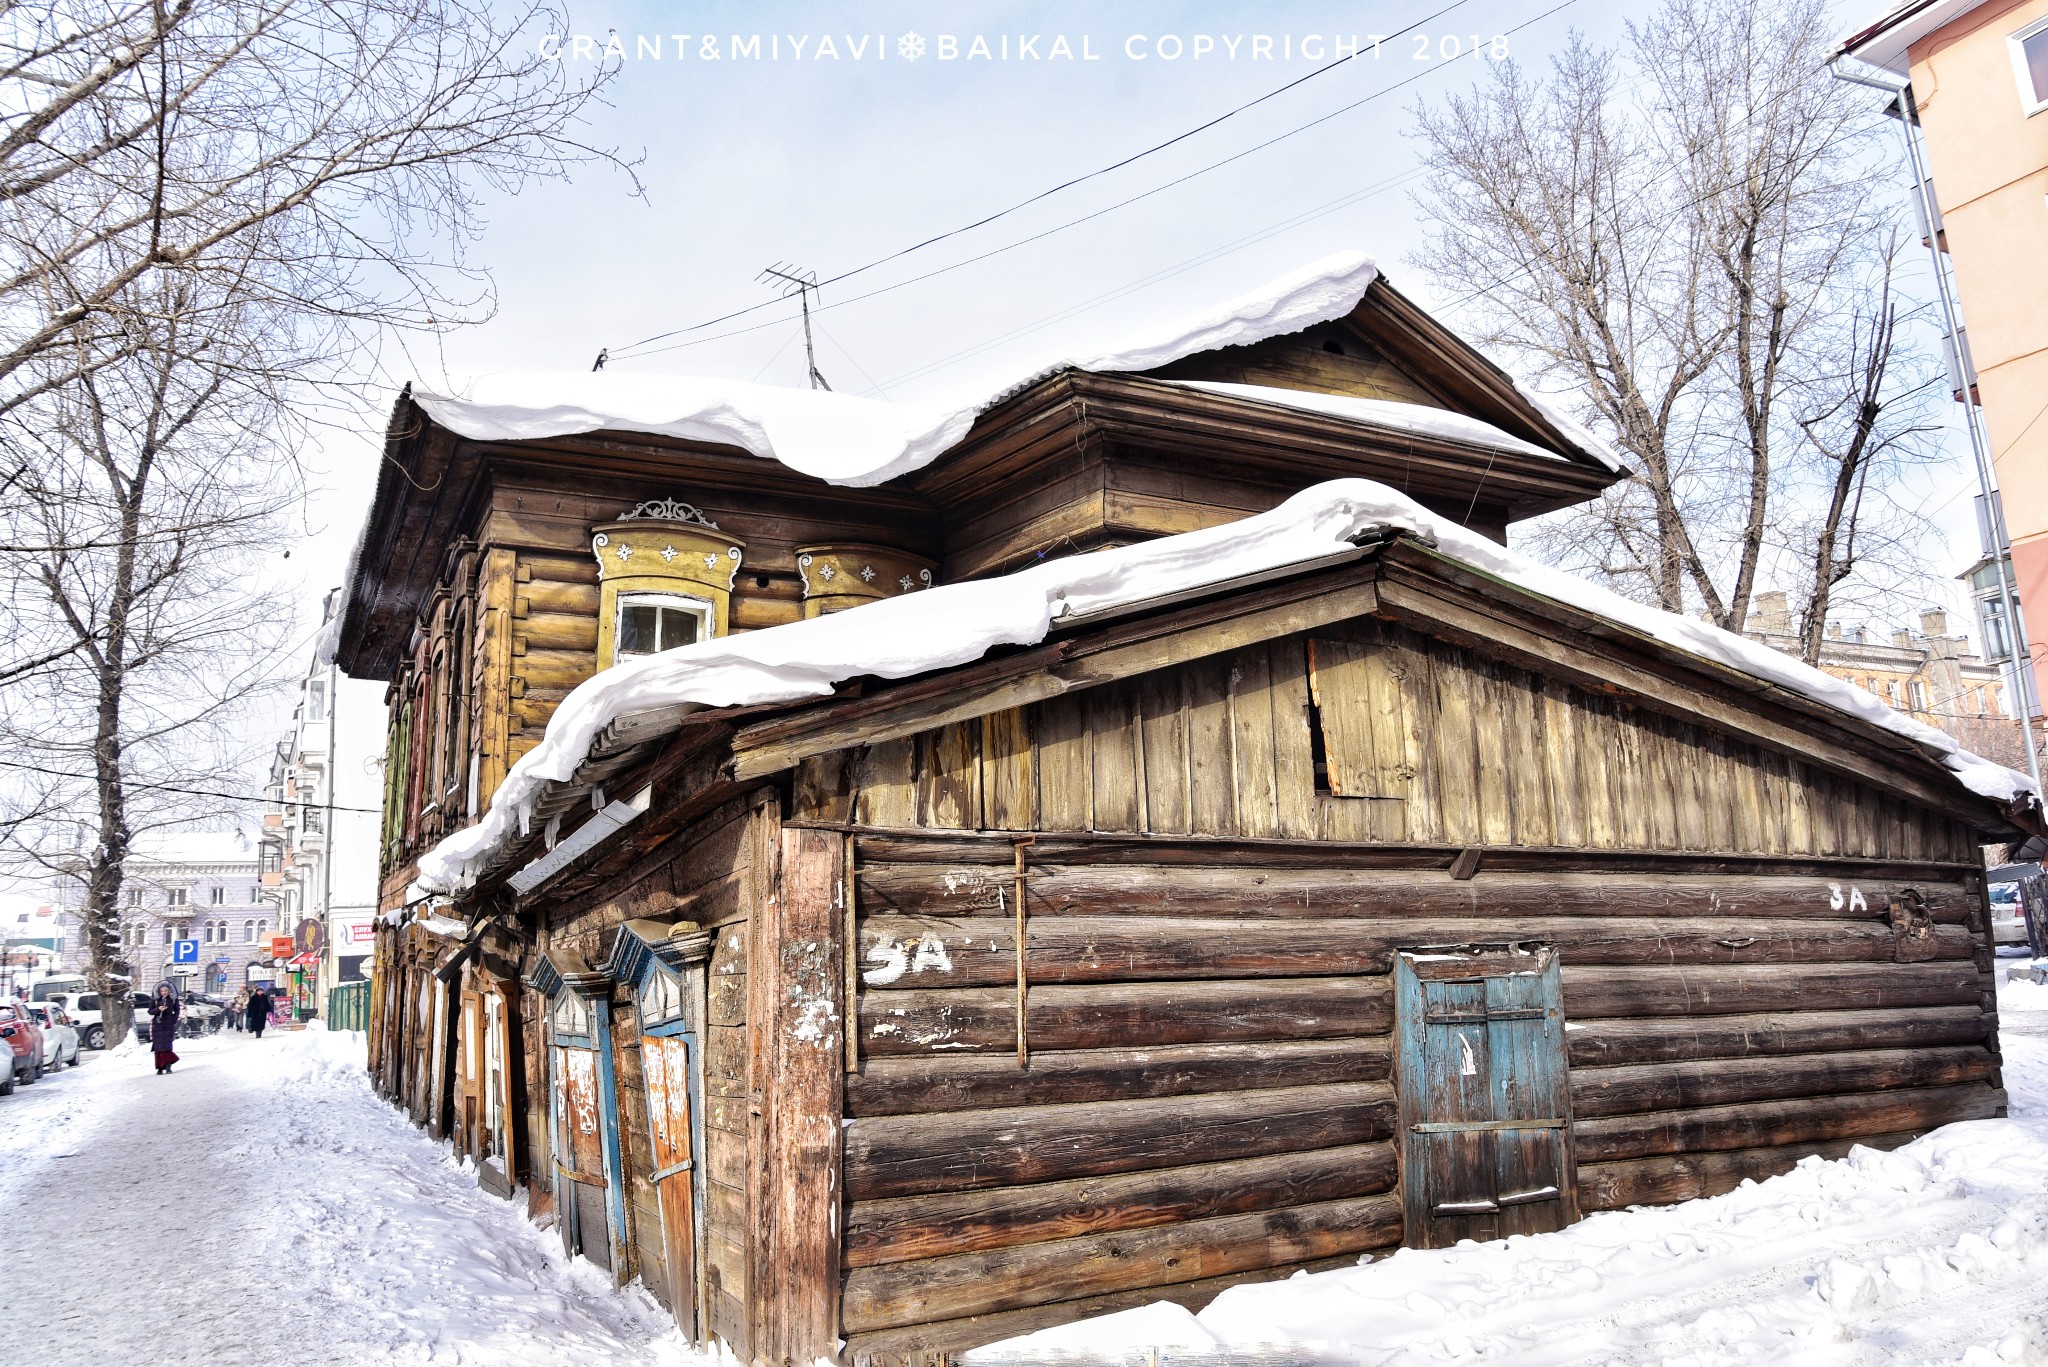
(211, 213)
(353, 138)
(1675, 232)
(156, 486)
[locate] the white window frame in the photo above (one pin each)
(2016, 44)
(1916, 693)
(703, 609)
(176, 897)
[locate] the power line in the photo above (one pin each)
(1084, 218)
(1063, 185)
(188, 792)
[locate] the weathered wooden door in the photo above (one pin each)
(665, 1064)
(1486, 1146)
(581, 1160)
(494, 1148)
(468, 1097)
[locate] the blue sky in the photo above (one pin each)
(831, 164)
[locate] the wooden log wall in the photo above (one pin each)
(1207, 1085)
(1206, 1095)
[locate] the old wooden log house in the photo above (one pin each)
(1246, 921)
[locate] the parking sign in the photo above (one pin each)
(184, 951)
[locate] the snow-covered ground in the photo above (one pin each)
(1935, 1253)
(261, 1204)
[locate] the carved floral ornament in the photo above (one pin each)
(861, 572)
(668, 510)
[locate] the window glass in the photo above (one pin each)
(167, 934)
(2034, 56)
(649, 628)
(248, 932)
(219, 896)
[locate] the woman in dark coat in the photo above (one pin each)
(163, 1026)
(259, 1011)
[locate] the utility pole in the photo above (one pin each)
(803, 284)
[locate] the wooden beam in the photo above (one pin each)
(797, 1302)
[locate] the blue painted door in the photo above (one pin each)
(1485, 1097)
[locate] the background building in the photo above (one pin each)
(197, 885)
(319, 841)
(1978, 93)
(1929, 673)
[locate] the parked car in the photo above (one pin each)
(2008, 920)
(83, 1006)
(60, 1036)
(199, 1015)
(204, 1015)
(24, 1039)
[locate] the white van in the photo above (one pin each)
(79, 1001)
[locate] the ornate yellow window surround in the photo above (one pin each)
(846, 575)
(668, 556)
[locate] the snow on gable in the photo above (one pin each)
(840, 438)
(954, 624)
(1381, 413)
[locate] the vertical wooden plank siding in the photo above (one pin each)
(1212, 806)
(1009, 772)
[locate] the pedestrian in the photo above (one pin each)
(163, 1026)
(239, 1012)
(259, 1011)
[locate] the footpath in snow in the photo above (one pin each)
(261, 1204)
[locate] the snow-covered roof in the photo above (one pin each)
(1886, 43)
(842, 438)
(847, 440)
(195, 847)
(956, 623)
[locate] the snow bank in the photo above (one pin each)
(1382, 413)
(956, 623)
(1906, 1256)
(840, 438)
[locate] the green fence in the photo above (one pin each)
(348, 1007)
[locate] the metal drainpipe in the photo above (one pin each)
(1980, 441)
(327, 954)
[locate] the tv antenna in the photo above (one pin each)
(803, 284)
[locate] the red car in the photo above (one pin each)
(25, 1038)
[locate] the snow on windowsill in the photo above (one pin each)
(954, 624)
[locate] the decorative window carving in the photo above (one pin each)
(572, 1015)
(668, 510)
(661, 998)
(665, 575)
(845, 576)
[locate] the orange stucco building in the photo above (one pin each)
(1979, 79)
